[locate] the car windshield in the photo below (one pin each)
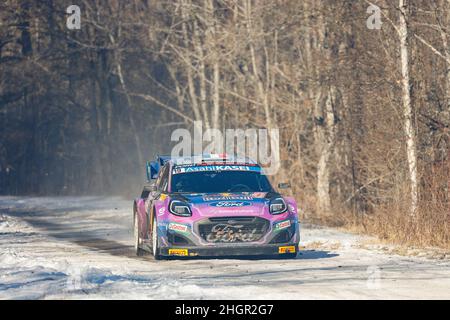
(220, 181)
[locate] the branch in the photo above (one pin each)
(436, 51)
(161, 104)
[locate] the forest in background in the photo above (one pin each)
(363, 113)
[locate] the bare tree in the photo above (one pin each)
(407, 107)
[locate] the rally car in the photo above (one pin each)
(213, 206)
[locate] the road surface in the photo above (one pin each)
(81, 248)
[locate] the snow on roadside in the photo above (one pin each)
(8, 223)
(81, 248)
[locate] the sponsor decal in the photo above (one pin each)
(178, 227)
(230, 204)
(222, 197)
(178, 252)
(188, 169)
(259, 194)
(287, 249)
(227, 211)
(163, 197)
(176, 171)
(283, 225)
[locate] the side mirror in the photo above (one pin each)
(147, 190)
(284, 185)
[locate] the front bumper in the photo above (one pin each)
(230, 250)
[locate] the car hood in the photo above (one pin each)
(228, 204)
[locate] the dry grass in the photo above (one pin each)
(315, 245)
(393, 223)
(429, 228)
(405, 250)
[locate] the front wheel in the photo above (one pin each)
(137, 239)
(155, 242)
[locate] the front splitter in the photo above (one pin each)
(217, 251)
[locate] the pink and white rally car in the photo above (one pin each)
(212, 206)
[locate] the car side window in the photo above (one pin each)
(162, 186)
(158, 180)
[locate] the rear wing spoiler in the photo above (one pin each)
(152, 167)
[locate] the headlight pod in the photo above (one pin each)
(277, 206)
(180, 208)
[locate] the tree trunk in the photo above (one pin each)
(137, 139)
(189, 75)
(407, 108)
(445, 42)
(324, 139)
(216, 68)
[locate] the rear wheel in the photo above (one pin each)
(155, 242)
(137, 238)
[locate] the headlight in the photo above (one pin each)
(277, 206)
(180, 208)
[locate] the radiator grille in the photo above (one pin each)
(233, 229)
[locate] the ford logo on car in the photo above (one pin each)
(230, 204)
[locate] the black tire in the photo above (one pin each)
(155, 242)
(137, 240)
